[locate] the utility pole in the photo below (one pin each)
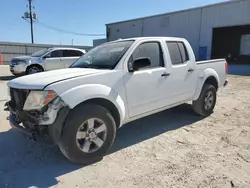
(31, 21)
(30, 16)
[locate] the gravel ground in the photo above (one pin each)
(174, 148)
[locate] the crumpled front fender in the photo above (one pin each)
(82, 93)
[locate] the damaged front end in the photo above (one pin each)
(39, 114)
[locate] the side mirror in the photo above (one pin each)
(139, 63)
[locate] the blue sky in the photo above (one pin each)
(81, 16)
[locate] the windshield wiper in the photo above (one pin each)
(89, 66)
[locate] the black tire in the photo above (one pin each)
(34, 69)
(68, 144)
(199, 104)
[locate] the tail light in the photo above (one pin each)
(226, 67)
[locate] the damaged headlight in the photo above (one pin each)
(38, 99)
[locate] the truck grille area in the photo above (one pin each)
(18, 97)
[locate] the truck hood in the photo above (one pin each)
(39, 81)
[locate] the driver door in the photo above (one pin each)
(54, 60)
(147, 88)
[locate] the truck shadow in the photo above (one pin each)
(6, 78)
(152, 126)
(25, 164)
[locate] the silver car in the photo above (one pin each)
(44, 60)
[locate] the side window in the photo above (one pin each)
(79, 53)
(174, 52)
(184, 53)
(70, 53)
(178, 52)
(56, 53)
(152, 50)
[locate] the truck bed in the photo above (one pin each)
(210, 61)
(218, 65)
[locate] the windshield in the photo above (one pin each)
(105, 56)
(40, 53)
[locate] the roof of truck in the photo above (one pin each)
(66, 48)
(156, 38)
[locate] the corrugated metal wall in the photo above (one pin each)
(183, 24)
(196, 25)
(97, 42)
(234, 13)
(10, 50)
(125, 30)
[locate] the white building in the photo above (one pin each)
(214, 31)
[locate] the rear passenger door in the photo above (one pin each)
(70, 56)
(184, 75)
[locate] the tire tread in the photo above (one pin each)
(67, 144)
(198, 106)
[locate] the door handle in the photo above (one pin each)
(165, 74)
(190, 70)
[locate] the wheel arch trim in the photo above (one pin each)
(202, 78)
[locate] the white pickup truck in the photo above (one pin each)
(81, 107)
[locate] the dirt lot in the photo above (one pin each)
(174, 148)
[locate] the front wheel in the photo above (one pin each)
(33, 69)
(205, 104)
(88, 134)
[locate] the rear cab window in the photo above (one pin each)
(178, 52)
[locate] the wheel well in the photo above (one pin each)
(212, 81)
(35, 65)
(109, 106)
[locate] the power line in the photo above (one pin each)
(31, 21)
(30, 16)
(67, 31)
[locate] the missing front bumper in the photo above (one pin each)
(53, 131)
(15, 124)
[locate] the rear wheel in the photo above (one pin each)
(88, 134)
(33, 69)
(205, 104)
